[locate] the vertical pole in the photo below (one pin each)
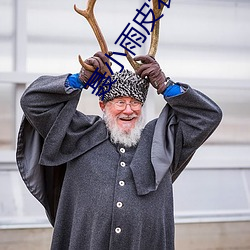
(20, 41)
(19, 66)
(19, 56)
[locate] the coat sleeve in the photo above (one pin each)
(44, 99)
(197, 117)
(67, 133)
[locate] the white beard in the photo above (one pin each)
(127, 139)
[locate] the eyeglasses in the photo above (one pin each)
(121, 105)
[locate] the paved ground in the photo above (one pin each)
(201, 236)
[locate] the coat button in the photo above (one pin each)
(123, 164)
(122, 150)
(119, 204)
(118, 230)
(121, 183)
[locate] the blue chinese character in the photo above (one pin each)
(131, 39)
(105, 87)
(95, 80)
(145, 15)
(115, 53)
(166, 4)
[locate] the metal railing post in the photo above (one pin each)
(19, 55)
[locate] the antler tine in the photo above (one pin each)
(88, 13)
(156, 31)
(135, 65)
(154, 36)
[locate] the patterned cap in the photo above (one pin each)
(127, 84)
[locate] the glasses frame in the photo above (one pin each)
(125, 105)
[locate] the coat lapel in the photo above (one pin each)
(154, 154)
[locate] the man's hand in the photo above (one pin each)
(97, 61)
(151, 69)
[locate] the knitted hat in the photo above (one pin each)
(127, 84)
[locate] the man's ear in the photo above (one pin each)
(102, 105)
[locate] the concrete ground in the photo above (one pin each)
(193, 236)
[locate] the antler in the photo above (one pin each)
(89, 15)
(154, 36)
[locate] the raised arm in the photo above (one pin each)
(49, 96)
(197, 116)
(44, 99)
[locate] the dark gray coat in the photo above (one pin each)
(102, 196)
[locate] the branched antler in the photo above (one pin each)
(154, 36)
(88, 13)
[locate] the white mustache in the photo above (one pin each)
(122, 116)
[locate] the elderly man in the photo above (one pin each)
(107, 183)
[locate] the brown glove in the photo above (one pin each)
(151, 69)
(98, 60)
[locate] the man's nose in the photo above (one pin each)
(128, 110)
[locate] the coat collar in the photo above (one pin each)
(154, 154)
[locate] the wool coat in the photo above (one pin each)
(104, 196)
